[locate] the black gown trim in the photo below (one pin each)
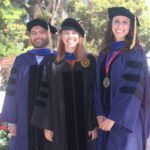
(69, 110)
(43, 94)
(10, 92)
(13, 70)
(132, 90)
(131, 77)
(134, 78)
(35, 135)
(74, 112)
(134, 64)
(12, 81)
(44, 84)
(40, 103)
(82, 135)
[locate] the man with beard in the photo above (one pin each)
(23, 87)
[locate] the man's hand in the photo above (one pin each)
(12, 129)
(107, 125)
(92, 134)
(49, 135)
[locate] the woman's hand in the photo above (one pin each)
(49, 135)
(92, 134)
(100, 119)
(107, 125)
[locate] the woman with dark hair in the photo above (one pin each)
(66, 93)
(121, 89)
(109, 37)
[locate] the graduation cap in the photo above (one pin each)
(42, 23)
(45, 25)
(72, 24)
(122, 11)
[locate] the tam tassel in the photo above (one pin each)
(134, 34)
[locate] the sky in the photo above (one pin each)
(148, 2)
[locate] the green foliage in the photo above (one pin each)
(5, 67)
(94, 18)
(91, 47)
(4, 135)
(12, 30)
(145, 31)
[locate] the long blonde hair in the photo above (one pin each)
(80, 51)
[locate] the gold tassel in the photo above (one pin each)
(50, 40)
(134, 34)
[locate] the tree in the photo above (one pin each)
(94, 16)
(11, 29)
(49, 8)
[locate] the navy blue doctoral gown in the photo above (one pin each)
(18, 107)
(129, 77)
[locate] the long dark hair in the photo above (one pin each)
(109, 38)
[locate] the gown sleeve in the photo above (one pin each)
(9, 111)
(92, 123)
(129, 94)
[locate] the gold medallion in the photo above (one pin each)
(85, 63)
(106, 82)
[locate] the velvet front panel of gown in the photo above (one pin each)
(35, 135)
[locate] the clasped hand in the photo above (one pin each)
(104, 123)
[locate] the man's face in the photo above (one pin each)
(39, 37)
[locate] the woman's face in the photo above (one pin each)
(71, 39)
(120, 27)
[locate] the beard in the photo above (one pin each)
(42, 44)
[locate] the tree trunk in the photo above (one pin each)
(54, 6)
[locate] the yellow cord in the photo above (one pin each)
(134, 34)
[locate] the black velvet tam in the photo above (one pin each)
(72, 24)
(122, 11)
(42, 23)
